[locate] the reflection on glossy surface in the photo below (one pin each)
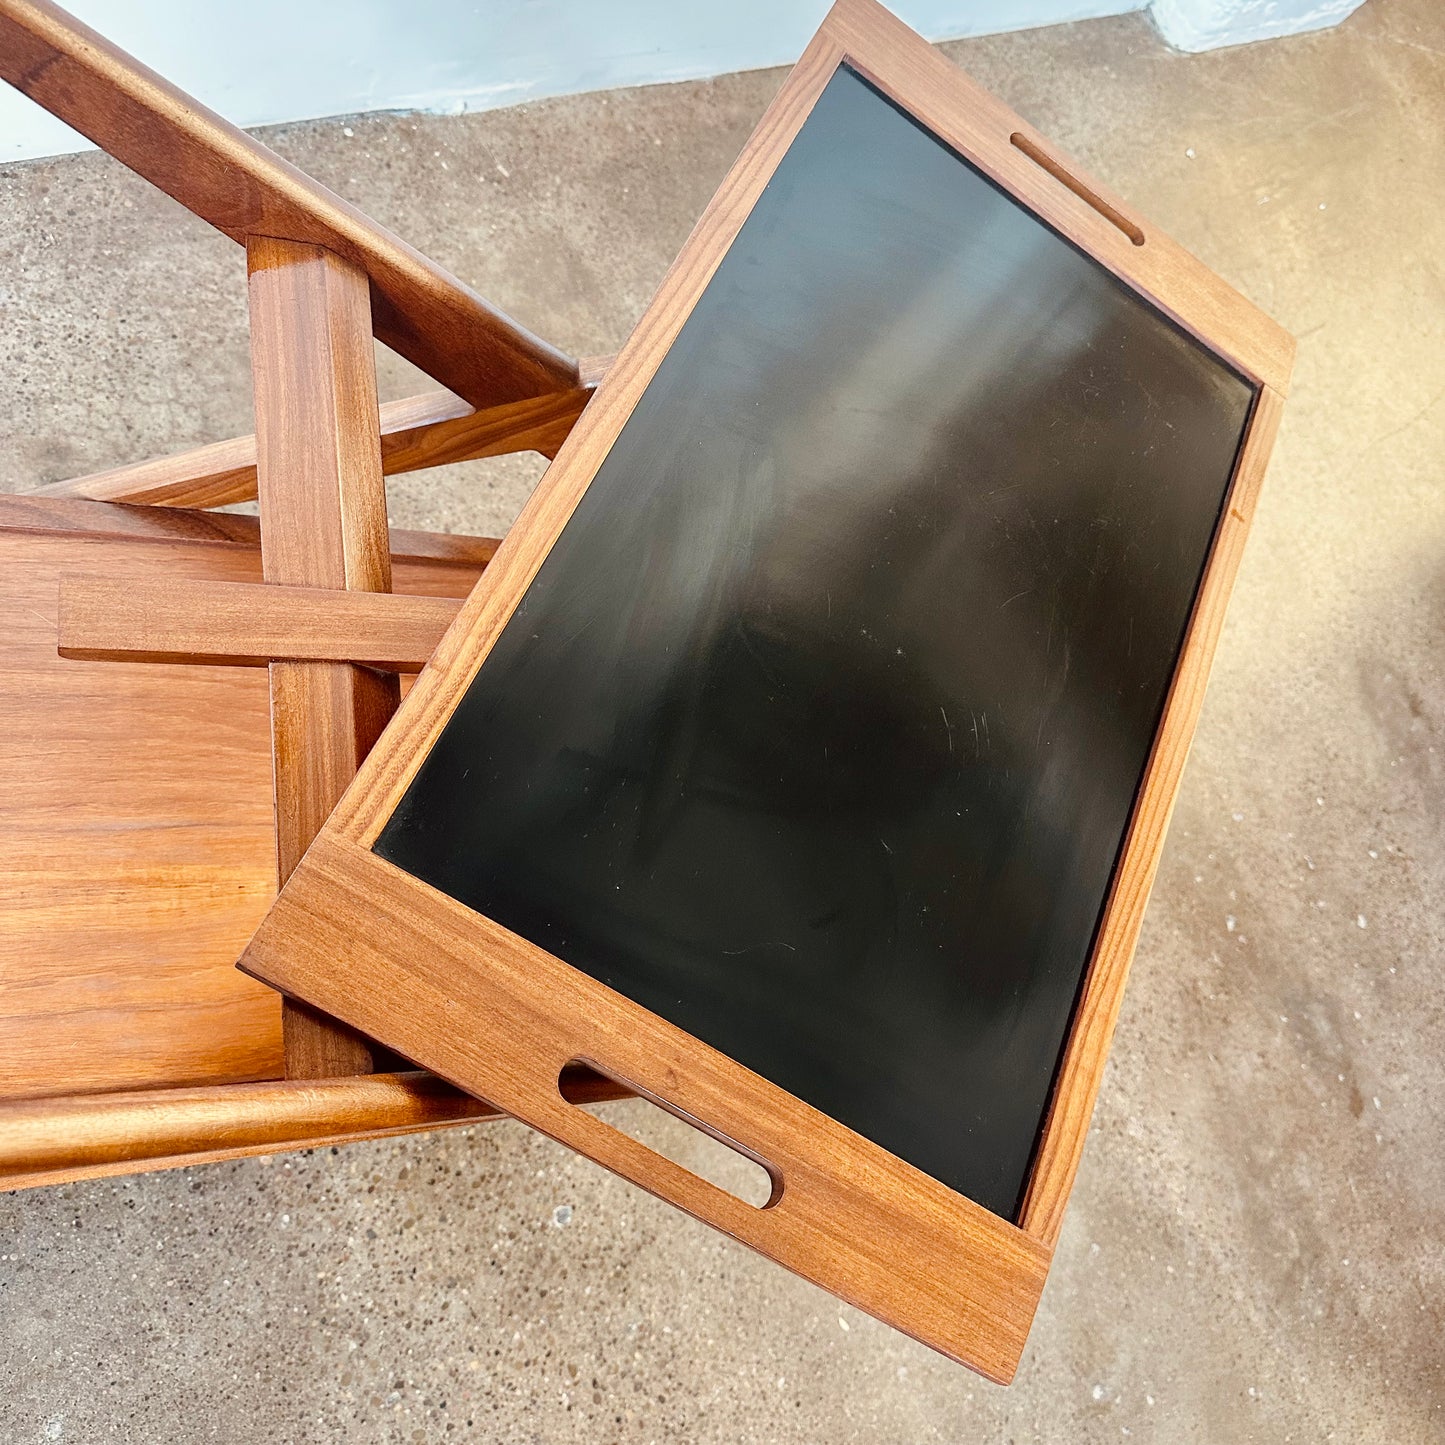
(818, 730)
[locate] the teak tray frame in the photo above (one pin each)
(503, 1019)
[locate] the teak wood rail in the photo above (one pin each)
(242, 188)
(236, 624)
(51, 1141)
(432, 429)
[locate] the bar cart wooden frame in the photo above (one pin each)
(323, 279)
(137, 1045)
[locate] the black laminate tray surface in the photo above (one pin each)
(819, 729)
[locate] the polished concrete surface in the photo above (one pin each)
(1256, 1247)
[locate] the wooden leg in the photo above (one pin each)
(325, 716)
(323, 524)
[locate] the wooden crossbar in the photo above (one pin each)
(45, 1141)
(429, 430)
(239, 624)
(433, 429)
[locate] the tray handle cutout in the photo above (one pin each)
(1041, 158)
(705, 1152)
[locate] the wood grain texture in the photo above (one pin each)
(325, 718)
(591, 370)
(234, 625)
(437, 430)
(56, 1141)
(138, 848)
(858, 1221)
(215, 475)
(318, 450)
(501, 1018)
(1066, 1124)
(443, 552)
(243, 189)
(430, 430)
(323, 524)
(38, 1138)
(136, 856)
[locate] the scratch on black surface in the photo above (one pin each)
(572, 637)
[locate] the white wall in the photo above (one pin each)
(264, 61)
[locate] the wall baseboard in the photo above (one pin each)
(1195, 25)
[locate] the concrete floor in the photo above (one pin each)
(1256, 1247)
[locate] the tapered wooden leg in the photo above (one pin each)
(325, 716)
(323, 524)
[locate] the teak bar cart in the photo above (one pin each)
(140, 840)
(141, 847)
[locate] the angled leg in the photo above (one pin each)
(323, 524)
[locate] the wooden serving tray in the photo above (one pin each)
(410, 921)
